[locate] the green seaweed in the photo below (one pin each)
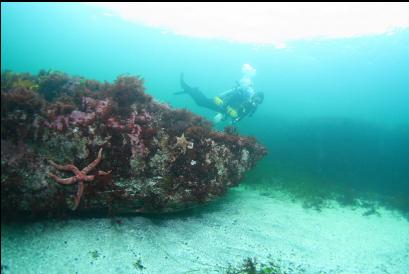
(138, 264)
(251, 266)
(94, 254)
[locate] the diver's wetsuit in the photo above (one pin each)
(198, 96)
(235, 98)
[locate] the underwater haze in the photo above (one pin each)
(335, 108)
(335, 122)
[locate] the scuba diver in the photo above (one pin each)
(235, 103)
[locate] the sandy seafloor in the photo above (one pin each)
(241, 224)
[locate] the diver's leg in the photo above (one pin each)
(198, 96)
(203, 101)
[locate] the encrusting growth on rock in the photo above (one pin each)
(80, 176)
(162, 159)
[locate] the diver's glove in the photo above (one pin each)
(235, 121)
(218, 117)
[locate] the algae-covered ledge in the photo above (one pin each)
(150, 157)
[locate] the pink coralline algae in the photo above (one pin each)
(133, 129)
(62, 122)
(134, 135)
(100, 107)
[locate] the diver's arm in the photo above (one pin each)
(231, 90)
(239, 117)
(228, 92)
(252, 111)
(235, 121)
(244, 113)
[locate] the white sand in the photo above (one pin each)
(335, 240)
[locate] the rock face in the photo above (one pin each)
(152, 158)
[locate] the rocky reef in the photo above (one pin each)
(69, 143)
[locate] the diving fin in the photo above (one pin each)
(186, 88)
(183, 83)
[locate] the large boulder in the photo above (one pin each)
(68, 143)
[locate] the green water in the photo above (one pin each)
(334, 109)
(335, 115)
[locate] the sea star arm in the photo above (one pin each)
(67, 181)
(92, 165)
(72, 168)
(77, 198)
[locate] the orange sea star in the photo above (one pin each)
(80, 176)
